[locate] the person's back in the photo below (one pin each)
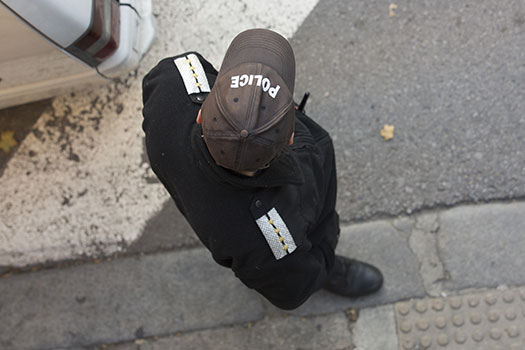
(254, 177)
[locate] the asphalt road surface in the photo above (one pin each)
(449, 75)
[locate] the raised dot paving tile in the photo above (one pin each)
(491, 320)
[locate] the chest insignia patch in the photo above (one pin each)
(276, 234)
(192, 73)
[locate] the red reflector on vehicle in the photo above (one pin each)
(102, 38)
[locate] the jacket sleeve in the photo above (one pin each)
(289, 282)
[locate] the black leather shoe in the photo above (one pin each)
(353, 278)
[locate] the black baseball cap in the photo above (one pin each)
(249, 115)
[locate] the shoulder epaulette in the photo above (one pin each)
(194, 77)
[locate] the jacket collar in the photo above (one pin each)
(284, 170)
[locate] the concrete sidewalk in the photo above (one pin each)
(453, 280)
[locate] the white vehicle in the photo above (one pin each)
(48, 47)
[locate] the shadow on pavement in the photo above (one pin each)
(20, 121)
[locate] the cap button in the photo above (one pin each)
(244, 133)
(258, 203)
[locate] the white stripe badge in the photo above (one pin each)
(276, 234)
(192, 73)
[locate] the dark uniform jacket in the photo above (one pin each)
(222, 207)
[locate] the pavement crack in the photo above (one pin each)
(424, 244)
(403, 225)
(446, 274)
(414, 252)
(352, 315)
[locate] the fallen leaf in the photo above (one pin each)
(7, 141)
(392, 10)
(352, 314)
(387, 132)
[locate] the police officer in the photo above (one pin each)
(254, 177)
